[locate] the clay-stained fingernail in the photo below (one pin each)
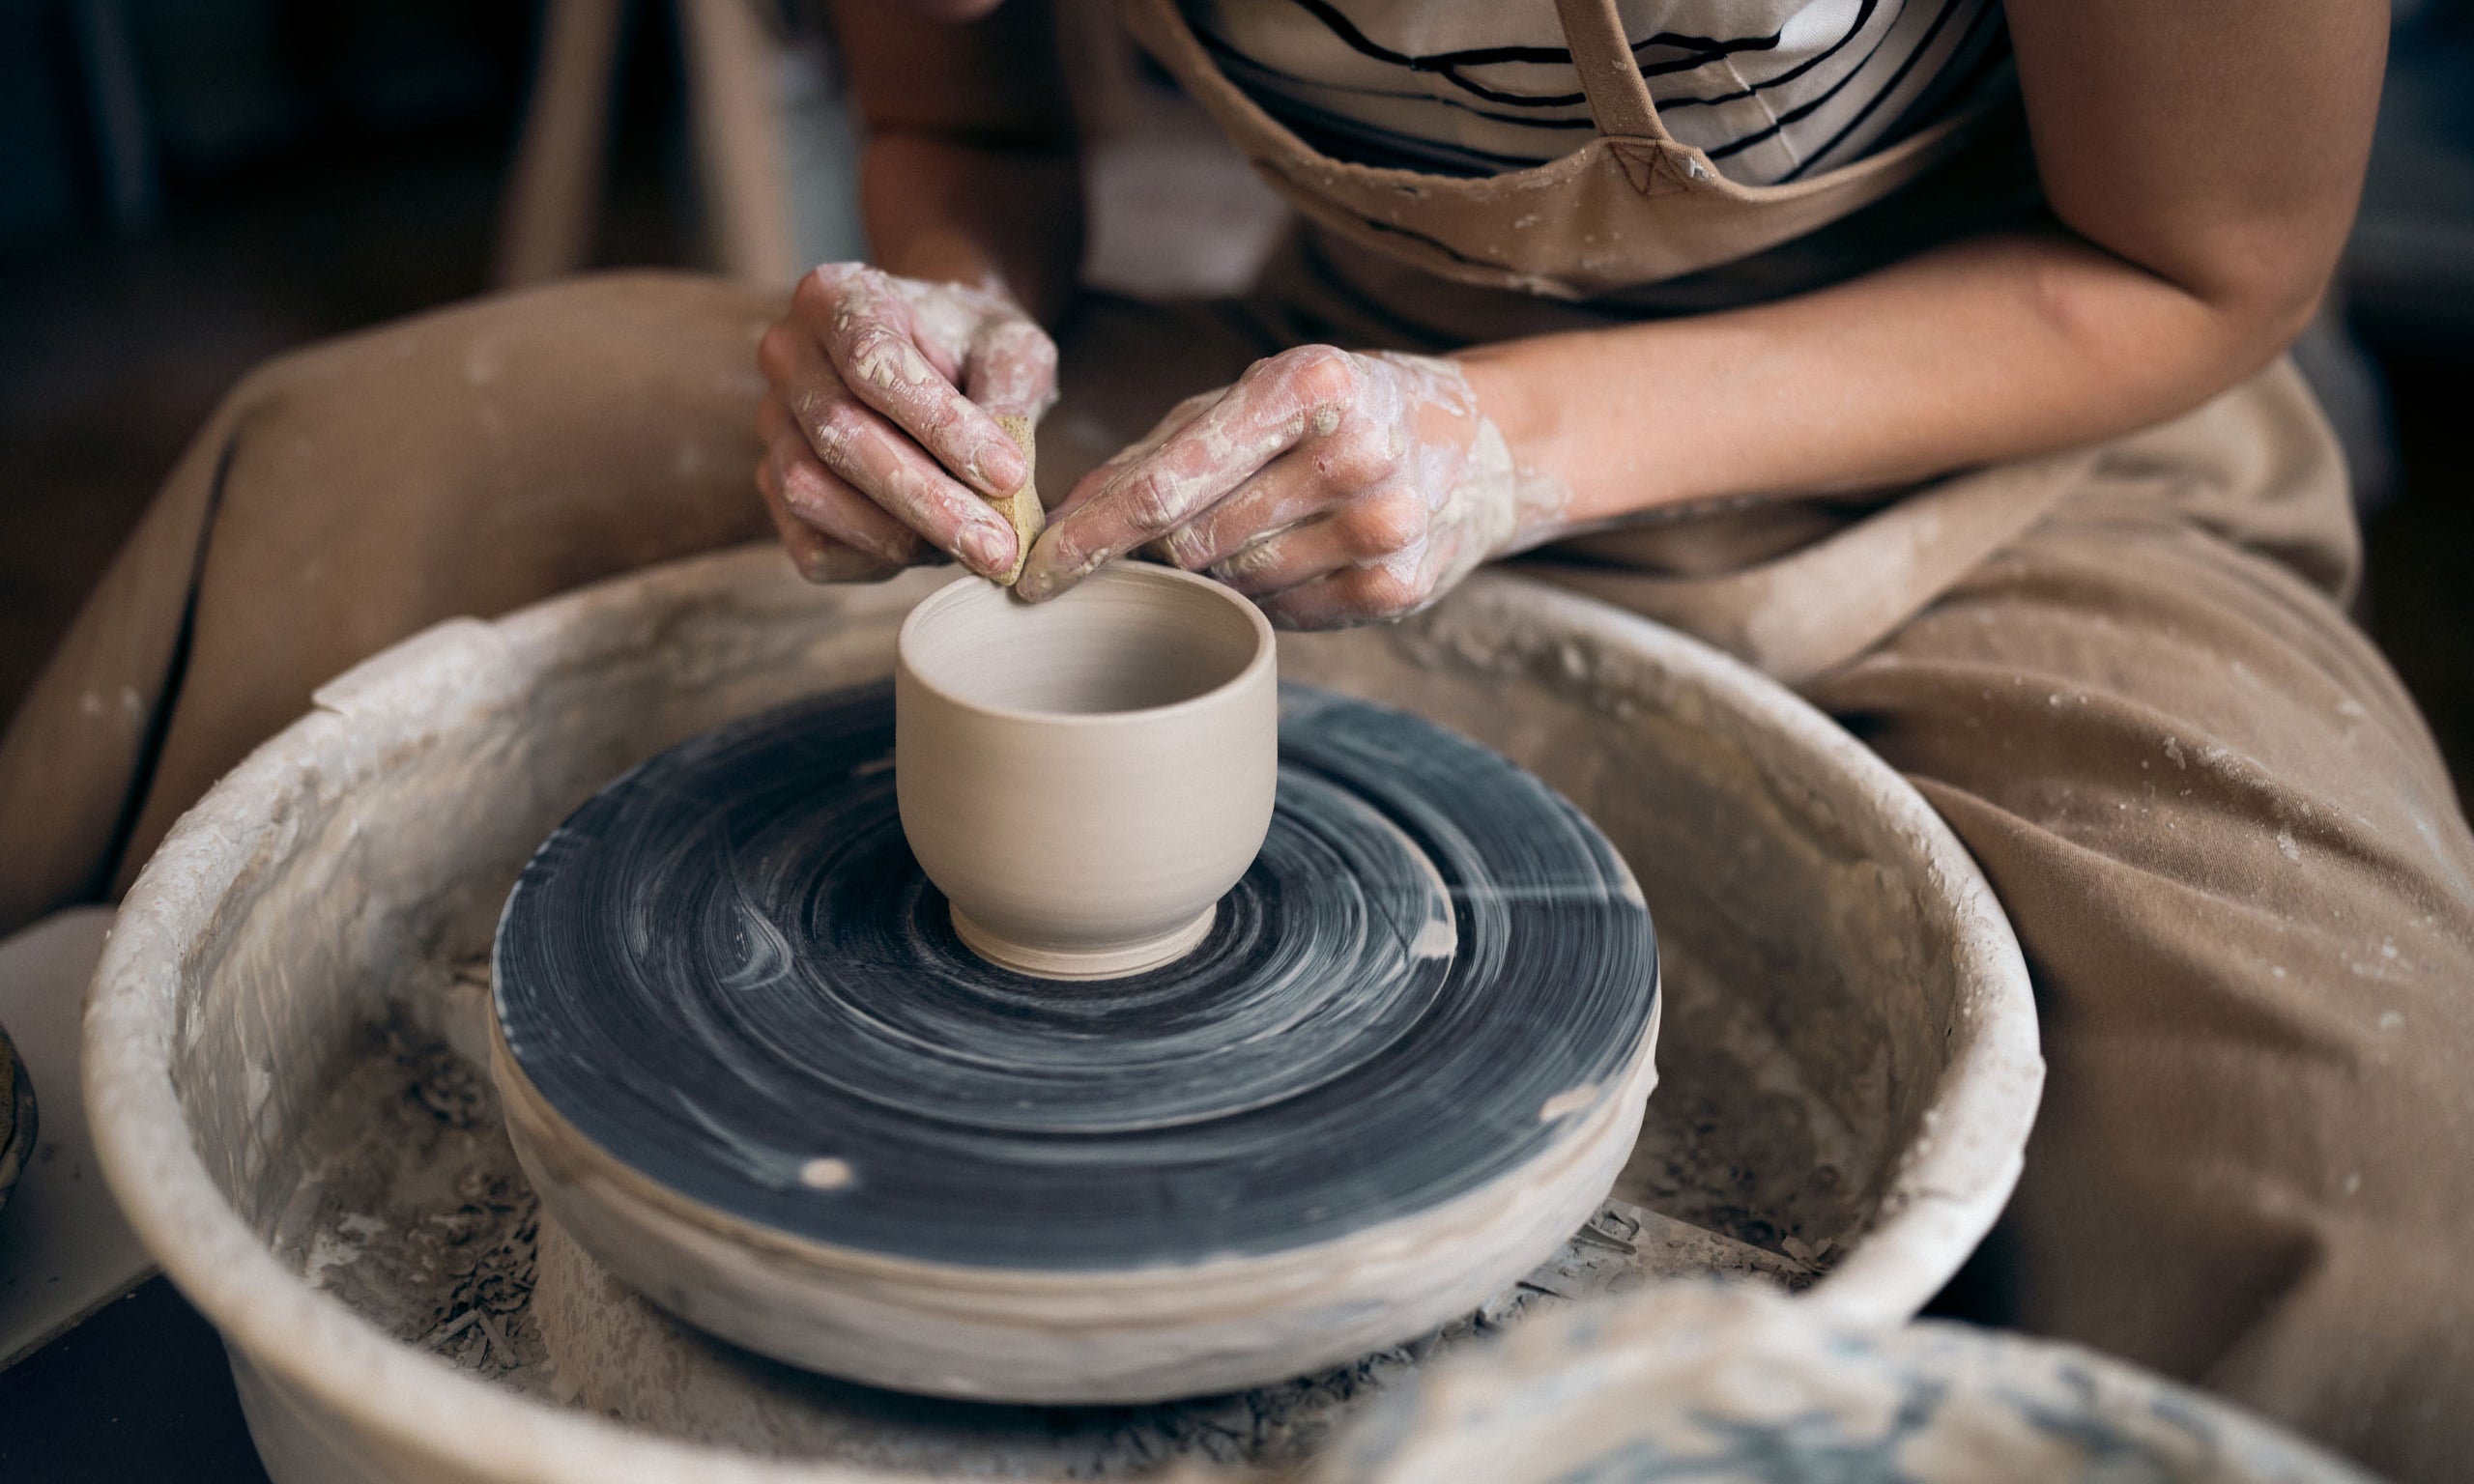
(989, 548)
(1039, 581)
(999, 466)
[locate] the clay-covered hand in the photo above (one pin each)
(879, 422)
(1333, 488)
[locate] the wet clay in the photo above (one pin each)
(1083, 778)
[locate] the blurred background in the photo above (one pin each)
(188, 186)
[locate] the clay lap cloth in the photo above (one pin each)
(2123, 674)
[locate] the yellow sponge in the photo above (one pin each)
(1021, 509)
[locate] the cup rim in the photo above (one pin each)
(1264, 657)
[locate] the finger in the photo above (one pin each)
(1267, 413)
(822, 559)
(817, 497)
(1105, 473)
(1347, 598)
(1371, 530)
(827, 505)
(818, 557)
(855, 442)
(1011, 368)
(1299, 485)
(867, 334)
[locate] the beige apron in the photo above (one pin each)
(1795, 589)
(1633, 206)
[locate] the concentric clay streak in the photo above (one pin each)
(753, 1072)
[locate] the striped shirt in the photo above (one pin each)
(1772, 91)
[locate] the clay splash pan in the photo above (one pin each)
(752, 1069)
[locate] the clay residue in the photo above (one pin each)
(412, 1211)
(1732, 1141)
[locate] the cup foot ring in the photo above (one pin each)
(1115, 963)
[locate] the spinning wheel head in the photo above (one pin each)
(752, 1067)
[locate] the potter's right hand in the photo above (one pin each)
(879, 423)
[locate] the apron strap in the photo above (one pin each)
(1813, 610)
(1619, 99)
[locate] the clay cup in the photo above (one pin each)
(1085, 777)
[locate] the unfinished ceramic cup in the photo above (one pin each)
(1085, 777)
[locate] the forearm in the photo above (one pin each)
(2195, 227)
(971, 172)
(952, 211)
(1987, 350)
(2198, 228)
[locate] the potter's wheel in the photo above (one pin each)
(754, 1070)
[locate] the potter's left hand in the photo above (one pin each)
(1333, 488)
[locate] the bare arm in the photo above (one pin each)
(972, 167)
(2201, 158)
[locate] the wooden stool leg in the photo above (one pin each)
(732, 66)
(554, 196)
